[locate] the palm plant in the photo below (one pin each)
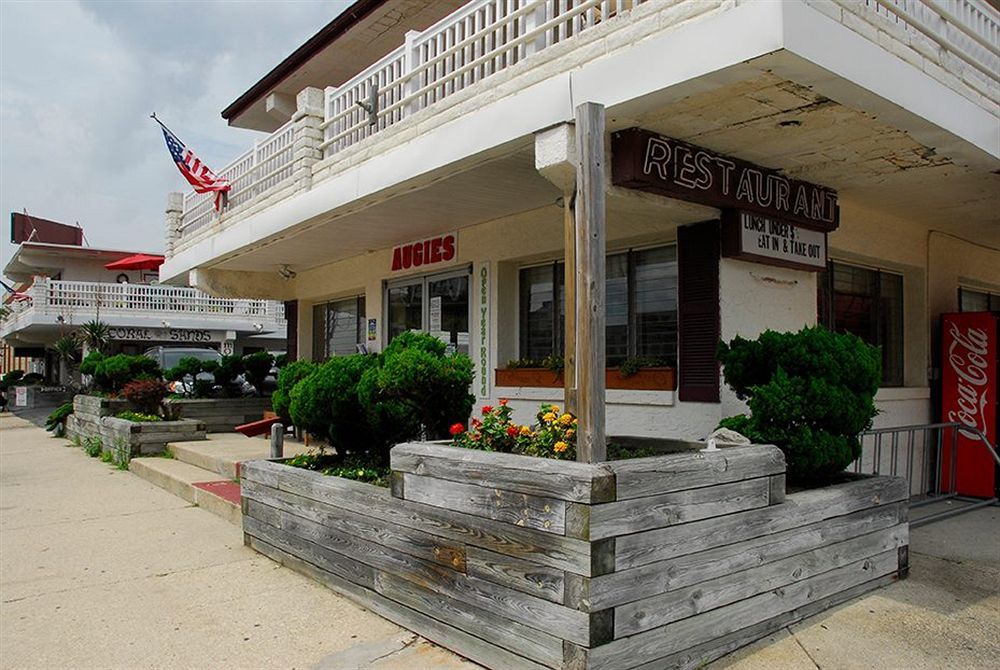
(94, 335)
(65, 348)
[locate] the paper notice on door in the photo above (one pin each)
(435, 315)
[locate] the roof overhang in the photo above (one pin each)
(359, 36)
(39, 258)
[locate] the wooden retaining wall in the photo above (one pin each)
(221, 415)
(517, 562)
(93, 417)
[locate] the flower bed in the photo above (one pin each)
(644, 379)
(220, 415)
(521, 562)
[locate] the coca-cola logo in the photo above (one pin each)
(968, 356)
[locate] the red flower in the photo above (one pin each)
(503, 402)
(512, 431)
(476, 423)
(457, 429)
(487, 409)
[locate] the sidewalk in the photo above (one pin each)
(100, 569)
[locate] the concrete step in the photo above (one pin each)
(222, 452)
(199, 486)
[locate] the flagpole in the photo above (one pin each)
(162, 125)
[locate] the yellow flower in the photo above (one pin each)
(566, 419)
(560, 447)
(525, 430)
(548, 417)
(570, 433)
(554, 409)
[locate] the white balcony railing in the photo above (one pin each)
(78, 301)
(485, 37)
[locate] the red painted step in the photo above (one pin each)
(225, 489)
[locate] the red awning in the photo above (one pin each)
(137, 262)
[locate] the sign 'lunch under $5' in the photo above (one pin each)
(754, 237)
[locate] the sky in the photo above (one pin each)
(79, 79)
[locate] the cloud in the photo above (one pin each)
(79, 79)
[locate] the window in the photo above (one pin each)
(338, 327)
(867, 303)
(977, 301)
(641, 301)
(438, 304)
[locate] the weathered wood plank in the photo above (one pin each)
(626, 586)
(640, 514)
(561, 621)
(648, 613)
(331, 561)
(525, 640)
(799, 509)
(680, 635)
(519, 509)
(414, 542)
(591, 249)
(640, 477)
(700, 655)
(515, 573)
(469, 646)
(573, 482)
(544, 548)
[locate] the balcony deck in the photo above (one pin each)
(444, 72)
(67, 303)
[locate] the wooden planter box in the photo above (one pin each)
(645, 379)
(220, 415)
(517, 562)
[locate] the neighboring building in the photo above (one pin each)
(859, 139)
(64, 284)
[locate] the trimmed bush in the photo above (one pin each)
(258, 367)
(10, 379)
(325, 403)
(288, 377)
(226, 371)
(110, 374)
(810, 393)
(56, 421)
(145, 395)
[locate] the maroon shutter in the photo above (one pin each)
(292, 329)
(698, 311)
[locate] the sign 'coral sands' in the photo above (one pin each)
(969, 397)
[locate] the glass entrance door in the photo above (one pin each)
(437, 304)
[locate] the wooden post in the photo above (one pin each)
(591, 246)
(277, 441)
(569, 301)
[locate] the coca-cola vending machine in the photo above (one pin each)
(970, 367)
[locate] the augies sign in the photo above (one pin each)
(650, 162)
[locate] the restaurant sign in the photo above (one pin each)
(763, 239)
(425, 252)
(649, 162)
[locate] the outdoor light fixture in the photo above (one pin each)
(258, 327)
(286, 272)
(165, 323)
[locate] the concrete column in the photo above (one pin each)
(175, 207)
(308, 135)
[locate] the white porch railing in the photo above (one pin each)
(88, 299)
(485, 37)
(268, 163)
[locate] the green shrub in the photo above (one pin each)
(32, 378)
(810, 393)
(225, 372)
(258, 366)
(415, 390)
(189, 366)
(138, 417)
(111, 373)
(10, 379)
(288, 377)
(56, 421)
(281, 360)
(92, 446)
(325, 403)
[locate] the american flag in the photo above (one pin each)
(201, 178)
(14, 295)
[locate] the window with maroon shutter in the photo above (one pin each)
(698, 311)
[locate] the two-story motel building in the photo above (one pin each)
(770, 165)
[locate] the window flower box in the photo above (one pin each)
(645, 379)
